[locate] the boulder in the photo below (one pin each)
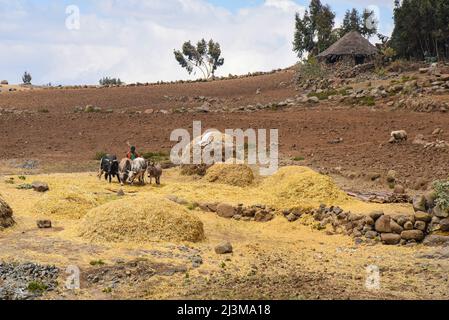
(440, 213)
(376, 215)
(408, 225)
(416, 235)
(444, 225)
(224, 248)
(371, 235)
(423, 216)
(399, 189)
(225, 210)
(395, 227)
(383, 224)
(419, 203)
(390, 238)
(43, 224)
(420, 225)
(436, 240)
(40, 186)
(6, 219)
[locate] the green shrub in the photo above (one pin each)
(156, 156)
(97, 263)
(37, 286)
(100, 155)
(442, 193)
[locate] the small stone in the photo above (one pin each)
(225, 210)
(399, 189)
(390, 238)
(408, 225)
(440, 213)
(224, 248)
(416, 235)
(444, 225)
(43, 224)
(292, 217)
(395, 227)
(371, 235)
(423, 216)
(40, 186)
(120, 193)
(420, 225)
(376, 214)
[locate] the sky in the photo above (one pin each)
(81, 41)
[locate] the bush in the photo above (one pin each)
(100, 155)
(311, 69)
(442, 193)
(26, 78)
(156, 156)
(106, 81)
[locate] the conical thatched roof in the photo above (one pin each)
(351, 44)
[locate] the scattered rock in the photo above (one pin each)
(416, 235)
(40, 186)
(444, 225)
(376, 214)
(423, 216)
(224, 248)
(6, 219)
(408, 225)
(436, 240)
(420, 225)
(383, 224)
(43, 224)
(419, 203)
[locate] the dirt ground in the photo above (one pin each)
(274, 260)
(277, 260)
(62, 140)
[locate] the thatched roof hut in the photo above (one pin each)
(353, 46)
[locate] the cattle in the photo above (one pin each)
(109, 167)
(123, 170)
(138, 168)
(154, 171)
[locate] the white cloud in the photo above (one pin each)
(135, 39)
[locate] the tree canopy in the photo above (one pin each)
(204, 57)
(315, 31)
(421, 29)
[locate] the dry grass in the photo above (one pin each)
(139, 220)
(239, 175)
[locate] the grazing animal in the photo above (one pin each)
(398, 136)
(154, 171)
(109, 167)
(138, 168)
(124, 168)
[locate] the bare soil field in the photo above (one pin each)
(45, 138)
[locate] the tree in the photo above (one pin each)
(421, 29)
(315, 31)
(205, 57)
(26, 78)
(106, 81)
(365, 23)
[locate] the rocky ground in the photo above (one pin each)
(340, 129)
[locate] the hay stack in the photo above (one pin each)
(302, 187)
(70, 204)
(239, 175)
(6, 219)
(141, 219)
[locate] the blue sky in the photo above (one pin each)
(134, 39)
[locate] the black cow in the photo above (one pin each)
(109, 166)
